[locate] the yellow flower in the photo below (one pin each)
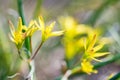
(31, 28)
(18, 35)
(47, 30)
(91, 49)
(91, 53)
(87, 67)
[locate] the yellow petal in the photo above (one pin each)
(33, 26)
(57, 33)
(101, 54)
(41, 21)
(92, 43)
(19, 27)
(98, 47)
(37, 25)
(87, 67)
(96, 59)
(13, 40)
(51, 26)
(28, 31)
(31, 31)
(32, 22)
(12, 29)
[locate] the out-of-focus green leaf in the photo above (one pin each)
(5, 57)
(37, 9)
(96, 14)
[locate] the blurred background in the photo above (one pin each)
(97, 13)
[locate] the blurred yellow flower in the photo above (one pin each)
(74, 34)
(47, 30)
(87, 67)
(69, 25)
(70, 49)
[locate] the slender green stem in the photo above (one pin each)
(113, 59)
(37, 9)
(27, 45)
(30, 45)
(66, 75)
(76, 70)
(20, 55)
(33, 56)
(20, 10)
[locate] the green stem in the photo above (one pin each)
(113, 59)
(20, 55)
(37, 9)
(30, 45)
(20, 10)
(70, 72)
(27, 45)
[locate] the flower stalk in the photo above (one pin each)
(33, 56)
(70, 72)
(67, 74)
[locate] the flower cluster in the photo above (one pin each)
(19, 35)
(83, 40)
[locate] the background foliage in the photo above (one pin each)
(103, 14)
